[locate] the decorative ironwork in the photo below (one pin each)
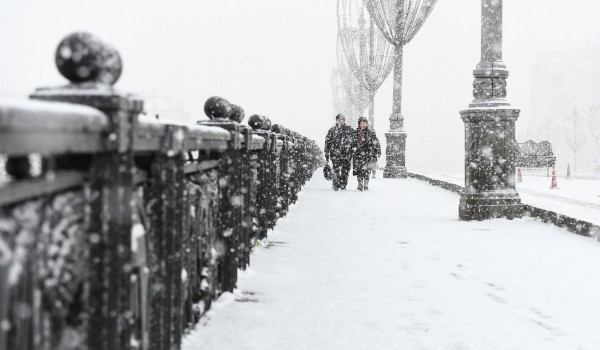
(399, 22)
(535, 155)
(358, 95)
(134, 225)
(369, 54)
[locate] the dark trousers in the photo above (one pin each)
(341, 168)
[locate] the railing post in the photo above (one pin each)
(294, 167)
(247, 182)
(272, 212)
(165, 207)
(261, 125)
(227, 116)
(93, 67)
(284, 172)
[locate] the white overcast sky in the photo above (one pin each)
(274, 57)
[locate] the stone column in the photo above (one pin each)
(490, 145)
(396, 137)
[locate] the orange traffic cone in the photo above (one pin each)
(553, 185)
(519, 176)
(568, 171)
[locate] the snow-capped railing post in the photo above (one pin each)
(228, 117)
(93, 67)
(261, 126)
(284, 171)
(490, 146)
(166, 199)
(305, 160)
(272, 212)
(248, 172)
(292, 155)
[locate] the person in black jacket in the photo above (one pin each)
(365, 148)
(338, 147)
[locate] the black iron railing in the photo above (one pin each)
(132, 226)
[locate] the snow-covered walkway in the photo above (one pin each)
(393, 268)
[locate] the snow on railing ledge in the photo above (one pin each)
(50, 127)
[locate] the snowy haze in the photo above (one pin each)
(274, 57)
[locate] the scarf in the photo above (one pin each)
(361, 136)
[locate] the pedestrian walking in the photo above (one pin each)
(365, 150)
(338, 144)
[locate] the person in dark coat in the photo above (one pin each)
(365, 149)
(338, 147)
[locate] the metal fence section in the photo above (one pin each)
(133, 226)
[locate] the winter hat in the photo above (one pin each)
(362, 119)
(340, 116)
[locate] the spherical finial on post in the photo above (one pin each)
(276, 128)
(255, 121)
(82, 57)
(217, 107)
(237, 113)
(266, 123)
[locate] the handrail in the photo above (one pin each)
(134, 225)
(34, 127)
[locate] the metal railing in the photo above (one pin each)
(133, 225)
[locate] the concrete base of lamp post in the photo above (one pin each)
(490, 155)
(489, 205)
(395, 155)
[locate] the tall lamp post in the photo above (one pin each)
(369, 54)
(490, 145)
(399, 21)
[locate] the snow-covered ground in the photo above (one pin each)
(394, 268)
(575, 197)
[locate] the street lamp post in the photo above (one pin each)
(490, 145)
(368, 53)
(399, 22)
